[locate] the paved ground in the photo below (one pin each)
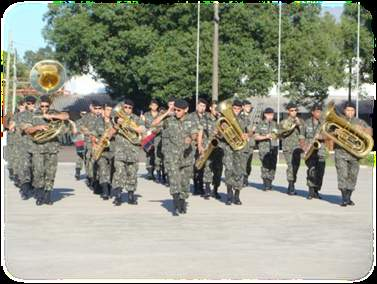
(271, 236)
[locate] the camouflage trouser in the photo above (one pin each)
(150, 159)
(347, 172)
(269, 160)
(179, 179)
(24, 168)
(234, 162)
(105, 164)
(79, 161)
(89, 163)
(214, 167)
(316, 169)
(125, 175)
(44, 170)
(249, 160)
(293, 159)
(158, 158)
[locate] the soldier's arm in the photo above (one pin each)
(160, 118)
(364, 127)
(60, 116)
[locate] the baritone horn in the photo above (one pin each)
(128, 126)
(47, 76)
(346, 135)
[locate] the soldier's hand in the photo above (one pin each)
(188, 140)
(200, 149)
(245, 136)
(42, 127)
(120, 120)
(47, 116)
(269, 136)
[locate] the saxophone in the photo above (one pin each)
(103, 143)
(200, 162)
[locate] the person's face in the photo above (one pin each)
(153, 107)
(213, 109)
(236, 110)
(97, 110)
(44, 106)
(21, 108)
(201, 107)
(179, 112)
(269, 116)
(30, 106)
(127, 109)
(107, 111)
(316, 114)
(247, 108)
(349, 112)
(292, 112)
(170, 104)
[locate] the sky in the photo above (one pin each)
(25, 22)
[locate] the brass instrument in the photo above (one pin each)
(128, 126)
(228, 126)
(103, 143)
(200, 162)
(55, 127)
(47, 76)
(315, 145)
(345, 135)
(287, 127)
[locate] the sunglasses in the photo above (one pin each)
(97, 108)
(44, 106)
(29, 104)
(127, 107)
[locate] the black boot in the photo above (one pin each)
(229, 198)
(132, 198)
(316, 193)
(118, 196)
(196, 187)
(175, 204)
(77, 173)
(11, 174)
(245, 180)
(215, 194)
(291, 188)
(311, 193)
(265, 185)
(48, 197)
(159, 177)
(150, 175)
(269, 184)
(166, 180)
(237, 200)
(25, 191)
(207, 191)
(97, 189)
(182, 206)
(344, 198)
(39, 195)
(89, 182)
(105, 191)
(349, 201)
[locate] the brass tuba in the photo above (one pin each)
(229, 127)
(343, 133)
(126, 128)
(47, 76)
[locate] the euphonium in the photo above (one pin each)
(229, 127)
(346, 135)
(55, 127)
(287, 127)
(128, 126)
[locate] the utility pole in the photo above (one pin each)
(14, 83)
(215, 50)
(197, 55)
(7, 75)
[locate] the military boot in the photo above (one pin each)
(25, 190)
(182, 206)
(316, 193)
(344, 198)
(159, 177)
(269, 184)
(118, 196)
(11, 174)
(291, 188)
(265, 185)
(237, 200)
(39, 195)
(215, 193)
(77, 173)
(207, 191)
(48, 197)
(166, 180)
(349, 201)
(245, 180)
(175, 204)
(132, 198)
(97, 189)
(229, 198)
(105, 191)
(311, 193)
(150, 175)
(196, 187)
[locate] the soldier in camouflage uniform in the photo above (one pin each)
(153, 161)
(292, 142)
(45, 155)
(25, 120)
(126, 158)
(249, 150)
(86, 125)
(347, 165)
(266, 135)
(317, 162)
(214, 165)
(105, 162)
(199, 119)
(79, 140)
(179, 131)
(234, 161)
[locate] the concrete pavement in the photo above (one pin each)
(271, 236)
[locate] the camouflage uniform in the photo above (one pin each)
(24, 121)
(153, 159)
(9, 150)
(179, 156)
(165, 152)
(126, 158)
(249, 149)
(292, 151)
(317, 162)
(347, 165)
(268, 151)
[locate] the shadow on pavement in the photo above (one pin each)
(60, 193)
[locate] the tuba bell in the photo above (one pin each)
(229, 127)
(346, 135)
(126, 128)
(47, 76)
